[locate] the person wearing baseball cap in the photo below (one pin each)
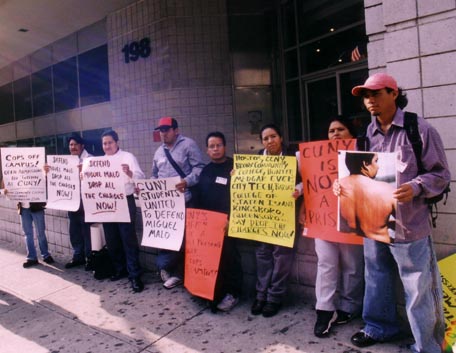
(177, 156)
(411, 256)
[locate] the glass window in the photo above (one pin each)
(291, 64)
(22, 98)
(331, 51)
(353, 107)
(42, 92)
(294, 111)
(62, 143)
(94, 76)
(322, 105)
(65, 85)
(48, 142)
(288, 25)
(322, 17)
(92, 139)
(6, 104)
(25, 143)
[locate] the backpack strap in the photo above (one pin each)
(413, 134)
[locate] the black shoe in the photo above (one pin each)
(343, 317)
(257, 307)
(137, 285)
(89, 267)
(270, 309)
(118, 275)
(323, 324)
(361, 339)
(49, 260)
(74, 263)
(30, 263)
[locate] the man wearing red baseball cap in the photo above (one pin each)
(177, 156)
(411, 255)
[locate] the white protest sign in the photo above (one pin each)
(103, 190)
(64, 191)
(163, 213)
(23, 173)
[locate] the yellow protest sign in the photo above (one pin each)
(262, 205)
(448, 274)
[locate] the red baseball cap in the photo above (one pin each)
(166, 122)
(375, 82)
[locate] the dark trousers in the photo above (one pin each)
(79, 235)
(229, 278)
(122, 243)
(273, 269)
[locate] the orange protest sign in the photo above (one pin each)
(319, 169)
(204, 232)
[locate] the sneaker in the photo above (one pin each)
(164, 275)
(30, 263)
(172, 282)
(49, 260)
(343, 317)
(227, 303)
(323, 324)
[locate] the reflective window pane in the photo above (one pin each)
(94, 76)
(48, 142)
(322, 103)
(22, 98)
(92, 140)
(294, 111)
(318, 18)
(65, 85)
(6, 104)
(331, 51)
(42, 92)
(288, 25)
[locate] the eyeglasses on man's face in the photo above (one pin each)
(213, 147)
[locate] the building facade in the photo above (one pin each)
(230, 66)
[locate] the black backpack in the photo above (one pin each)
(413, 134)
(101, 264)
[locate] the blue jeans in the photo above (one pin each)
(79, 235)
(416, 265)
(27, 219)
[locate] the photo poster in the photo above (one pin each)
(262, 205)
(163, 213)
(63, 183)
(366, 204)
(318, 161)
(103, 190)
(204, 234)
(23, 173)
(448, 275)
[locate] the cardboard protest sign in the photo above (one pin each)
(103, 190)
(64, 191)
(318, 162)
(448, 274)
(262, 205)
(366, 203)
(203, 247)
(163, 213)
(23, 173)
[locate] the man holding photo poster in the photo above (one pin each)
(412, 252)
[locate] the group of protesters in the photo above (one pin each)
(351, 280)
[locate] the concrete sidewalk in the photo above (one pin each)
(49, 309)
